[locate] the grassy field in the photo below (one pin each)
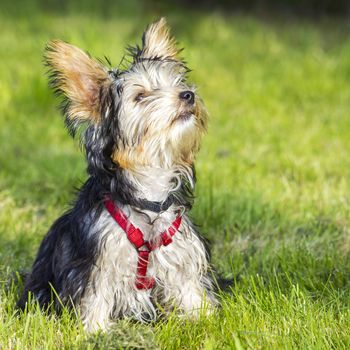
(273, 173)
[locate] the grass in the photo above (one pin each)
(273, 172)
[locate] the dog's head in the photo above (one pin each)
(144, 115)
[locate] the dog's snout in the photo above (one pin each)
(187, 96)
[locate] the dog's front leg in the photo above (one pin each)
(184, 271)
(195, 299)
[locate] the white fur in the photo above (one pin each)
(154, 122)
(160, 133)
(180, 268)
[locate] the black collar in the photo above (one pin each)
(156, 207)
(144, 204)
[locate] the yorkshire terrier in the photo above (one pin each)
(127, 247)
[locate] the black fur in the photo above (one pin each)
(66, 255)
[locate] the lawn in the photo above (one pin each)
(273, 172)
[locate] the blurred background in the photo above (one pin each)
(274, 169)
(275, 79)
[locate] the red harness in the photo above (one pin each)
(135, 236)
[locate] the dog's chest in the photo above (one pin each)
(118, 258)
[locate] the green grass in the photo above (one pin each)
(273, 173)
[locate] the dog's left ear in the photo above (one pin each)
(83, 81)
(157, 42)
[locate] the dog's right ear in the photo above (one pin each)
(83, 81)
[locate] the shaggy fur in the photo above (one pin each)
(141, 129)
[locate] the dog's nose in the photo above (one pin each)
(187, 96)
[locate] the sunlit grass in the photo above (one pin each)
(273, 173)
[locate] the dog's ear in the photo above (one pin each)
(82, 80)
(157, 42)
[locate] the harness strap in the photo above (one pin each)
(135, 236)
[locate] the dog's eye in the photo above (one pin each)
(140, 96)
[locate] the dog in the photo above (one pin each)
(127, 247)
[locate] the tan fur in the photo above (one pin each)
(158, 42)
(79, 77)
(157, 135)
(126, 160)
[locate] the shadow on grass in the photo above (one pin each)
(249, 237)
(308, 260)
(311, 254)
